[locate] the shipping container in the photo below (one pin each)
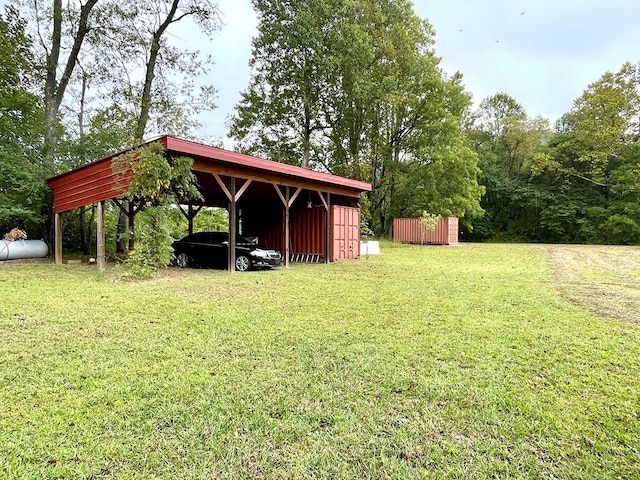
(307, 231)
(345, 233)
(411, 230)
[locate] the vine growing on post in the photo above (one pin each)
(156, 182)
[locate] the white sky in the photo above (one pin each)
(544, 53)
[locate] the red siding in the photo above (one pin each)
(94, 183)
(345, 233)
(410, 230)
(307, 231)
(265, 222)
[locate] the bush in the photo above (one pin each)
(620, 229)
(152, 249)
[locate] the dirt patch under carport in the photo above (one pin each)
(605, 279)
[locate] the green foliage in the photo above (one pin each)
(153, 178)
(152, 245)
(355, 87)
(622, 229)
(596, 156)
(211, 219)
(429, 221)
(23, 192)
(508, 144)
(158, 182)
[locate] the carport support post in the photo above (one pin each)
(100, 253)
(327, 238)
(233, 224)
(286, 228)
(58, 238)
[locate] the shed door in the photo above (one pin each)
(345, 233)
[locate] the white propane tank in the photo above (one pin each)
(18, 249)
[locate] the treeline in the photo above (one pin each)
(349, 87)
(577, 182)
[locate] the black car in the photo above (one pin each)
(211, 249)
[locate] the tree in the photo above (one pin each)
(354, 87)
(22, 188)
(279, 113)
(508, 144)
(157, 182)
(111, 76)
(150, 78)
(59, 31)
(597, 152)
(142, 66)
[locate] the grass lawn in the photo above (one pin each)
(423, 362)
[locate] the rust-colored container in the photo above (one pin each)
(345, 233)
(410, 230)
(307, 232)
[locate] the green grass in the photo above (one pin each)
(423, 362)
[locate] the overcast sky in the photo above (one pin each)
(544, 53)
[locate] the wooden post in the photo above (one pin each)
(233, 224)
(101, 260)
(327, 240)
(286, 227)
(58, 238)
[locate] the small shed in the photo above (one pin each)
(309, 215)
(411, 230)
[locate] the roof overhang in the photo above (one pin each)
(97, 182)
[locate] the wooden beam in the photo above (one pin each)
(286, 228)
(58, 238)
(327, 239)
(190, 214)
(294, 196)
(266, 177)
(233, 225)
(243, 188)
(100, 249)
(131, 215)
(121, 206)
(284, 201)
(324, 202)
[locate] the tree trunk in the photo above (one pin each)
(122, 244)
(54, 90)
(145, 100)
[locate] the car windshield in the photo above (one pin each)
(244, 241)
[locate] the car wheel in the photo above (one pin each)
(243, 263)
(182, 260)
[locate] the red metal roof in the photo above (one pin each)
(239, 159)
(96, 181)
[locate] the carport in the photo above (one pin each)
(308, 215)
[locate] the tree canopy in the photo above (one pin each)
(576, 183)
(351, 87)
(22, 188)
(80, 80)
(354, 87)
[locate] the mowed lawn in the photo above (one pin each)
(423, 362)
